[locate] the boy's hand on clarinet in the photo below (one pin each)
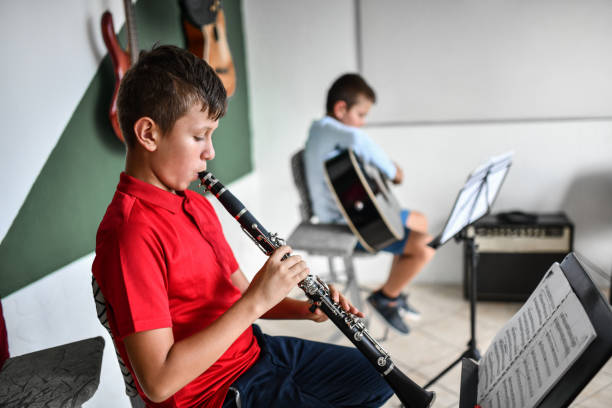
(277, 278)
(399, 175)
(337, 297)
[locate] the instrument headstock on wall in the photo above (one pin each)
(205, 33)
(121, 58)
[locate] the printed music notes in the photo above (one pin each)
(536, 347)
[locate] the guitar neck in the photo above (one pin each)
(131, 31)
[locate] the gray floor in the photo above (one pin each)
(438, 339)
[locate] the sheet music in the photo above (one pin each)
(461, 212)
(536, 347)
(472, 202)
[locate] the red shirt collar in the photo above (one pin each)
(150, 193)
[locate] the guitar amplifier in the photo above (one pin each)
(514, 252)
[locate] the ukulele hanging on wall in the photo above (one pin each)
(122, 59)
(205, 32)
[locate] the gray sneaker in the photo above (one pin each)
(389, 310)
(406, 309)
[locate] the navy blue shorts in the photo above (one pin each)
(296, 373)
(396, 248)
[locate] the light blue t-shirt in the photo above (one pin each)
(325, 137)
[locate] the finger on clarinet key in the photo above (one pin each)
(345, 304)
(334, 294)
(357, 312)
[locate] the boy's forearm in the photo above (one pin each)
(164, 370)
(289, 308)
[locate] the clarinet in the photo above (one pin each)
(409, 393)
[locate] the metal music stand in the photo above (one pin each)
(473, 202)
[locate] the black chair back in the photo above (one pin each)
(299, 178)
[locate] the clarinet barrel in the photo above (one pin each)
(409, 393)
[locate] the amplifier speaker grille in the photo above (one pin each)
(512, 258)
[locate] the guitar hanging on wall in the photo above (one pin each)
(205, 33)
(122, 59)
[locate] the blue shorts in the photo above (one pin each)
(396, 248)
(292, 372)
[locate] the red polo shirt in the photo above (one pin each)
(162, 261)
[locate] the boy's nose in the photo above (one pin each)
(208, 153)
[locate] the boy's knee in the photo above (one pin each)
(420, 249)
(417, 221)
(425, 251)
(423, 220)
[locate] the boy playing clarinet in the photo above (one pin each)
(180, 309)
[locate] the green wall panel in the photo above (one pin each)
(59, 218)
(233, 137)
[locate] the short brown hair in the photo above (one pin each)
(347, 88)
(163, 85)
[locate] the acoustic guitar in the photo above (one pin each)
(206, 37)
(363, 196)
(122, 59)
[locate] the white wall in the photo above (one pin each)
(296, 49)
(477, 59)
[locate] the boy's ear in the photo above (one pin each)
(340, 109)
(147, 133)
